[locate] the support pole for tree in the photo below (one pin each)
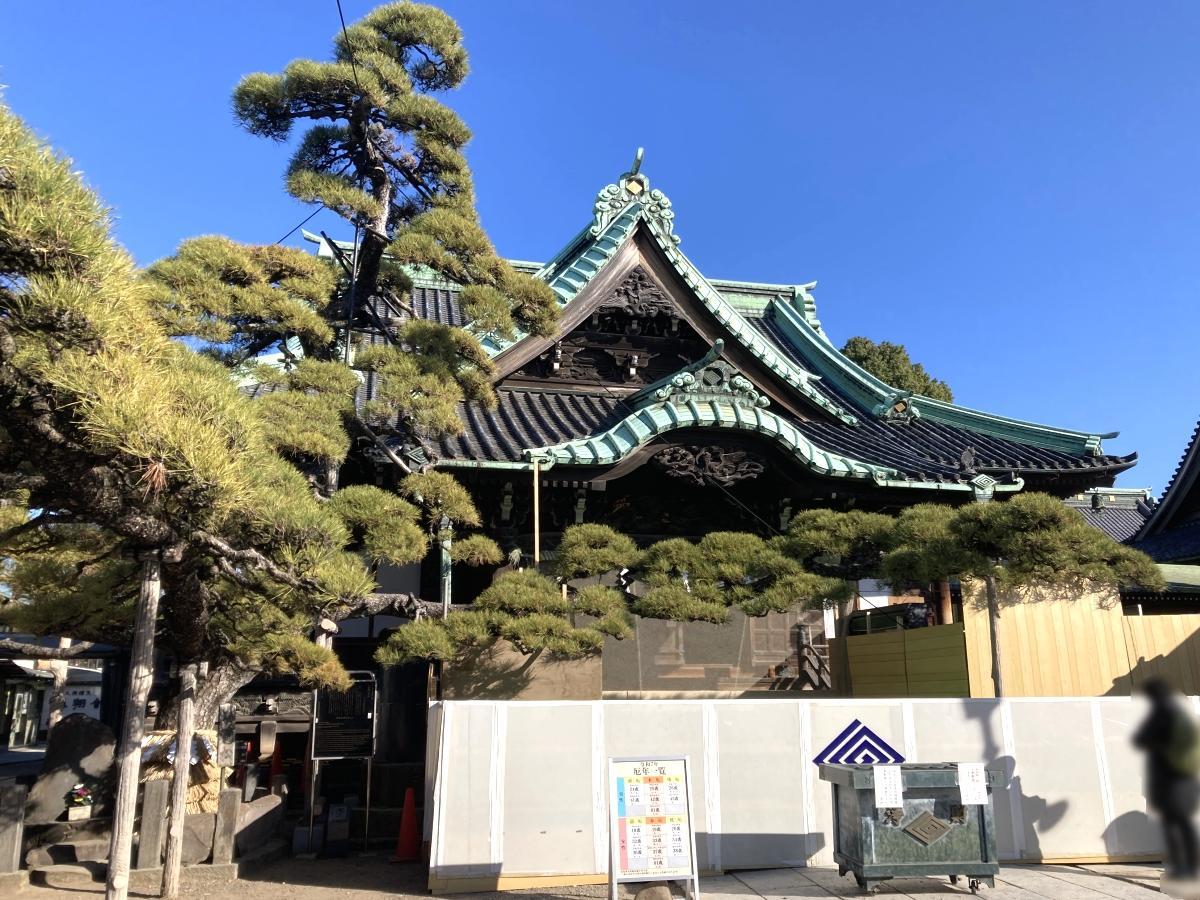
(537, 517)
(446, 538)
(129, 753)
(993, 610)
(181, 777)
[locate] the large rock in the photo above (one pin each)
(258, 822)
(198, 830)
(80, 750)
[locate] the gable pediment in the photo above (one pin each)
(636, 322)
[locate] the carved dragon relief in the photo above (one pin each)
(713, 463)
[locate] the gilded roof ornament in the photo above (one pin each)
(633, 187)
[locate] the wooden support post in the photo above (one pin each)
(945, 604)
(537, 517)
(446, 538)
(133, 726)
(180, 781)
(153, 831)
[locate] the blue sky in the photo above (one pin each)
(1011, 190)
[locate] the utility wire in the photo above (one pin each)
(307, 218)
(349, 49)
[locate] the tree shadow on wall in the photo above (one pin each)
(487, 673)
(1038, 814)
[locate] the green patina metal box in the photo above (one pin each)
(932, 834)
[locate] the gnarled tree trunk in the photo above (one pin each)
(129, 752)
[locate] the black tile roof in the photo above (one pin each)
(919, 450)
(1181, 544)
(1118, 522)
(526, 419)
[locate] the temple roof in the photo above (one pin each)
(1172, 532)
(836, 419)
(1118, 512)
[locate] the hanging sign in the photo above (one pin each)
(344, 721)
(650, 822)
(972, 784)
(889, 787)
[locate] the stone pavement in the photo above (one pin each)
(372, 878)
(1110, 882)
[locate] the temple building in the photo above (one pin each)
(668, 403)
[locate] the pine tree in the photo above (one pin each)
(383, 153)
(1025, 546)
(890, 363)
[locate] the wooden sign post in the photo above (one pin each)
(650, 832)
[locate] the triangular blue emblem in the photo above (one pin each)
(858, 745)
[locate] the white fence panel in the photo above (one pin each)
(518, 789)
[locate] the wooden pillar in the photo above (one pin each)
(537, 516)
(945, 604)
(129, 752)
(180, 781)
(446, 538)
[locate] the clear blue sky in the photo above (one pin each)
(1011, 190)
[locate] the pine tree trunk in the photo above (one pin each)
(993, 608)
(129, 753)
(212, 690)
(181, 777)
(58, 691)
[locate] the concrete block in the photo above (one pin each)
(228, 805)
(12, 826)
(152, 835)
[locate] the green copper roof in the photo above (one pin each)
(711, 393)
(621, 208)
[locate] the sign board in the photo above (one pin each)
(651, 837)
(889, 787)
(344, 721)
(227, 735)
(972, 784)
(858, 745)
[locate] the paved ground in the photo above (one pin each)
(372, 878)
(21, 762)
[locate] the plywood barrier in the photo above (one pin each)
(519, 794)
(1079, 647)
(921, 662)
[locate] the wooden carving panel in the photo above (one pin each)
(635, 336)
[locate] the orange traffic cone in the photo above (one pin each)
(408, 842)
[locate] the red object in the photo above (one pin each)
(408, 842)
(276, 761)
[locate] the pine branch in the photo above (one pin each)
(227, 554)
(20, 649)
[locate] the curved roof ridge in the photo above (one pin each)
(1184, 477)
(881, 398)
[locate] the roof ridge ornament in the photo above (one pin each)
(633, 187)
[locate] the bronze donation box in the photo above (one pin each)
(932, 833)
